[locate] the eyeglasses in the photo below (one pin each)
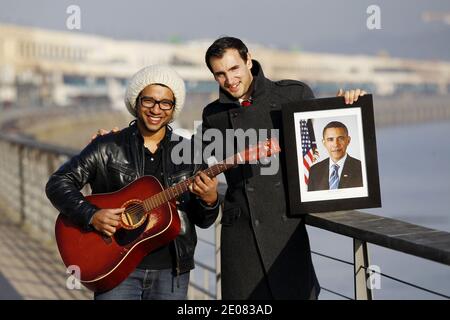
(149, 102)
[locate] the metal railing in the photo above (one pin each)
(202, 290)
(25, 166)
(389, 233)
(363, 228)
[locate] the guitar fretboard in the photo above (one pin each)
(176, 190)
(263, 149)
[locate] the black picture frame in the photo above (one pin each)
(310, 194)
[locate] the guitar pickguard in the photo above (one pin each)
(125, 237)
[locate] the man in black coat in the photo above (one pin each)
(340, 170)
(264, 254)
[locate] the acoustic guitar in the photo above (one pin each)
(150, 220)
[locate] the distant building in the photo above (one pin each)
(44, 67)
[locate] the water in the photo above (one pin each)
(414, 166)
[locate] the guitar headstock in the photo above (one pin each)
(263, 149)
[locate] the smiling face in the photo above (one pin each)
(336, 141)
(233, 73)
(153, 120)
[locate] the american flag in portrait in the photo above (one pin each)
(309, 146)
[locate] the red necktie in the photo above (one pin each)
(246, 103)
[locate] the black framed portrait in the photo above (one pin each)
(331, 155)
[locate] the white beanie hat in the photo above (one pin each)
(155, 74)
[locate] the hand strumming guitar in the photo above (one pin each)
(106, 220)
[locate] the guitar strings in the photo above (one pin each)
(139, 209)
(156, 199)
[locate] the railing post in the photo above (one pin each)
(361, 264)
(217, 229)
(21, 150)
(205, 283)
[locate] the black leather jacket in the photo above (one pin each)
(113, 161)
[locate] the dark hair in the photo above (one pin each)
(218, 48)
(335, 124)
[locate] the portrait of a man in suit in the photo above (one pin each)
(339, 170)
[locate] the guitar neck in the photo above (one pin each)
(263, 149)
(176, 190)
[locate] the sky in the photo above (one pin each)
(310, 25)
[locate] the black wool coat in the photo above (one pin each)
(264, 253)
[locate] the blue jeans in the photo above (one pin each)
(149, 285)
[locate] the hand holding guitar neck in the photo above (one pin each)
(205, 187)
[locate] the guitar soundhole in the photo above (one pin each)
(134, 214)
(125, 237)
(133, 219)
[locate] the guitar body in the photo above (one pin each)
(104, 262)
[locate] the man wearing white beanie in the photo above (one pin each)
(155, 96)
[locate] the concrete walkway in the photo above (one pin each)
(30, 270)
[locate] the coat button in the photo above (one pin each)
(256, 222)
(284, 217)
(251, 189)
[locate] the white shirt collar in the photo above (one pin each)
(249, 99)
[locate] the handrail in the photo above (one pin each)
(41, 146)
(386, 232)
